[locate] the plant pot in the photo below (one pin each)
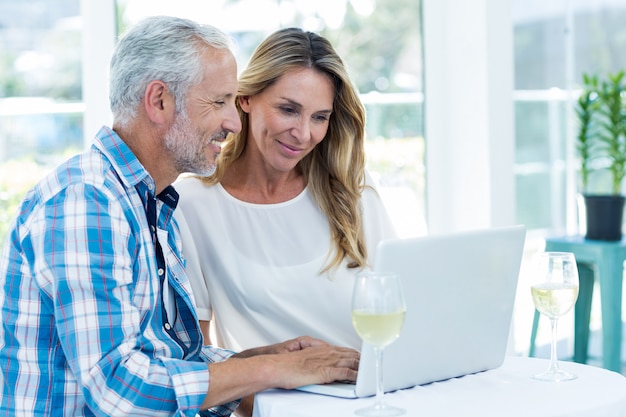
(604, 215)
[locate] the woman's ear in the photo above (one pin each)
(244, 103)
(159, 103)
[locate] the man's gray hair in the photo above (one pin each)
(161, 48)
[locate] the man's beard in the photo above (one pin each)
(185, 142)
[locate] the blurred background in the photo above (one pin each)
(469, 104)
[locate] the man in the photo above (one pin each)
(97, 312)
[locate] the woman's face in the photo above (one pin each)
(289, 118)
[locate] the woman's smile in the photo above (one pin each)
(290, 150)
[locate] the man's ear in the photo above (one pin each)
(158, 102)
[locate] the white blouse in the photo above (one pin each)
(255, 268)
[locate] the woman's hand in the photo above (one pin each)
(291, 364)
(292, 345)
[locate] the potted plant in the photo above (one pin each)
(601, 145)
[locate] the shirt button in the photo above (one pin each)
(160, 272)
(167, 326)
(153, 229)
(150, 187)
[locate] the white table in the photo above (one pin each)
(508, 391)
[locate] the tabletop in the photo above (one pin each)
(507, 390)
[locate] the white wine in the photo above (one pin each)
(378, 329)
(554, 300)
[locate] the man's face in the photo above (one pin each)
(195, 137)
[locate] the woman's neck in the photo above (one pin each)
(254, 183)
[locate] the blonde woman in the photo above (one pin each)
(274, 237)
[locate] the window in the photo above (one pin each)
(554, 44)
(42, 112)
(41, 109)
(389, 79)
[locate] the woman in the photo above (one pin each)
(273, 239)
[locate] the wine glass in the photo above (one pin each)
(378, 310)
(554, 291)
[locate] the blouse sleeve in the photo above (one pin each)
(194, 270)
(377, 224)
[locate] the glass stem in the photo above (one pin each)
(379, 377)
(554, 366)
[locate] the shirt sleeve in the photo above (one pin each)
(87, 275)
(212, 354)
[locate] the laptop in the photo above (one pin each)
(459, 289)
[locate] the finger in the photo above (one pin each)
(302, 342)
(340, 373)
(294, 345)
(347, 362)
(307, 342)
(348, 351)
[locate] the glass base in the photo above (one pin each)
(380, 410)
(555, 375)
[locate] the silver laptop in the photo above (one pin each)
(460, 290)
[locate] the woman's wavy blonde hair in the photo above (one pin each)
(334, 171)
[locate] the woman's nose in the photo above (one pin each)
(302, 130)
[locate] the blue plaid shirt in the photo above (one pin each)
(83, 330)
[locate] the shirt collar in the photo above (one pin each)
(169, 196)
(123, 159)
(128, 166)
